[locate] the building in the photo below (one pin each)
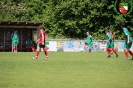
(25, 30)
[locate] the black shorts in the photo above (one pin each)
(41, 46)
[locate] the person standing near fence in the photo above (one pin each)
(28, 44)
(15, 41)
(128, 42)
(89, 41)
(110, 44)
(41, 44)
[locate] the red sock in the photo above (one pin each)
(33, 49)
(16, 48)
(108, 51)
(89, 50)
(27, 49)
(126, 54)
(37, 53)
(46, 53)
(115, 51)
(130, 52)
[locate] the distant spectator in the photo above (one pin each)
(15, 40)
(60, 46)
(86, 47)
(80, 46)
(29, 45)
(89, 41)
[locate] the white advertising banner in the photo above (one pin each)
(79, 46)
(51, 45)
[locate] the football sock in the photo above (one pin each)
(16, 48)
(27, 49)
(37, 53)
(130, 53)
(115, 51)
(108, 51)
(89, 50)
(33, 49)
(126, 54)
(46, 53)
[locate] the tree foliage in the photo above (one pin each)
(68, 18)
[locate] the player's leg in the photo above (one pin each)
(16, 44)
(108, 50)
(114, 50)
(126, 50)
(27, 48)
(128, 47)
(89, 47)
(13, 44)
(33, 49)
(14, 48)
(37, 52)
(45, 51)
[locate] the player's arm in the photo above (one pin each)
(114, 38)
(127, 34)
(43, 38)
(37, 40)
(127, 38)
(18, 38)
(108, 39)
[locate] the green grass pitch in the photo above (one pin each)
(65, 70)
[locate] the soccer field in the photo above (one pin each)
(65, 70)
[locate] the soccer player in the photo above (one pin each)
(110, 45)
(128, 42)
(41, 44)
(113, 38)
(89, 41)
(15, 40)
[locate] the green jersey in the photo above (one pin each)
(127, 33)
(89, 39)
(110, 43)
(108, 36)
(29, 42)
(14, 36)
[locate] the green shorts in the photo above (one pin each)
(15, 42)
(127, 46)
(110, 44)
(90, 44)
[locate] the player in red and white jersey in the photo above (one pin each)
(41, 44)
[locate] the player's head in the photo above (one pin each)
(87, 33)
(28, 38)
(40, 27)
(106, 31)
(15, 30)
(122, 26)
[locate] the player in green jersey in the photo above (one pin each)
(29, 44)
(110, 44)
(15, 40)
(89, 41)
(128, 42)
